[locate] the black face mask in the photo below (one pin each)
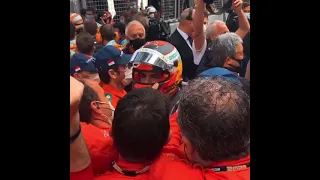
(236, 69)
(137, 43)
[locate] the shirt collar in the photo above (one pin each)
(130, 166)
(183, 34)
(113, 90)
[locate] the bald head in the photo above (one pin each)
(186, 24)
(185, 14)
(135, 30)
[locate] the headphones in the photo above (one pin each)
(189, 17)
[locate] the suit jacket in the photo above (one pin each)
(189, 69)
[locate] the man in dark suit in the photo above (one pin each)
(182, 40)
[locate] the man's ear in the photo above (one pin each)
(112, 74)
(188, 148)
(228, 61)
(94, 108)
(76, 76)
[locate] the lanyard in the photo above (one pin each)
(231, 168)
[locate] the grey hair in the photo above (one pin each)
(214, 115)
(224, 46)
(212, 28)
(134, 22)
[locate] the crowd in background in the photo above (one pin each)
(145, 104)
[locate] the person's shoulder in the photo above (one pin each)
(126, 49)
(93, 134)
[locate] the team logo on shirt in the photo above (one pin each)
(109, 97)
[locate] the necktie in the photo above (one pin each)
(190, 40)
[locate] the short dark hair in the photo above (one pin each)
(245, 4)
(121, 27)
(107, 32)
(140, 127)
(91, 9)
(214, 115)
(90, 27)
(85, 110)
(72, 31)
(83, 12)
(85, 43)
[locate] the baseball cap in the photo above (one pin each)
(82, 62)
(109, 56)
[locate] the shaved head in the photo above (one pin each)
(185, 14)
(184, 24)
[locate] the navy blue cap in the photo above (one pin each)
(82, 62)
(109, 56)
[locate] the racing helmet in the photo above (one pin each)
(157, 62)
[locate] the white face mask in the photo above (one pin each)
(127, 77)
(112, 116)
(151, 15)
(247, 15)
(94, 77)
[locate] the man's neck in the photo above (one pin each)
(91, 54)
(105, 42)
(182, 28)
(118, 86)
(100, 123)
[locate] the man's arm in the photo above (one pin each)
(244, 26)
(247, 76)
(79, 155)
(80, 168)
(199, 35)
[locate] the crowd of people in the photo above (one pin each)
(160, 110)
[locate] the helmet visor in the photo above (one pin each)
(150, 57)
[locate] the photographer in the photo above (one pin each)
(158, 29)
